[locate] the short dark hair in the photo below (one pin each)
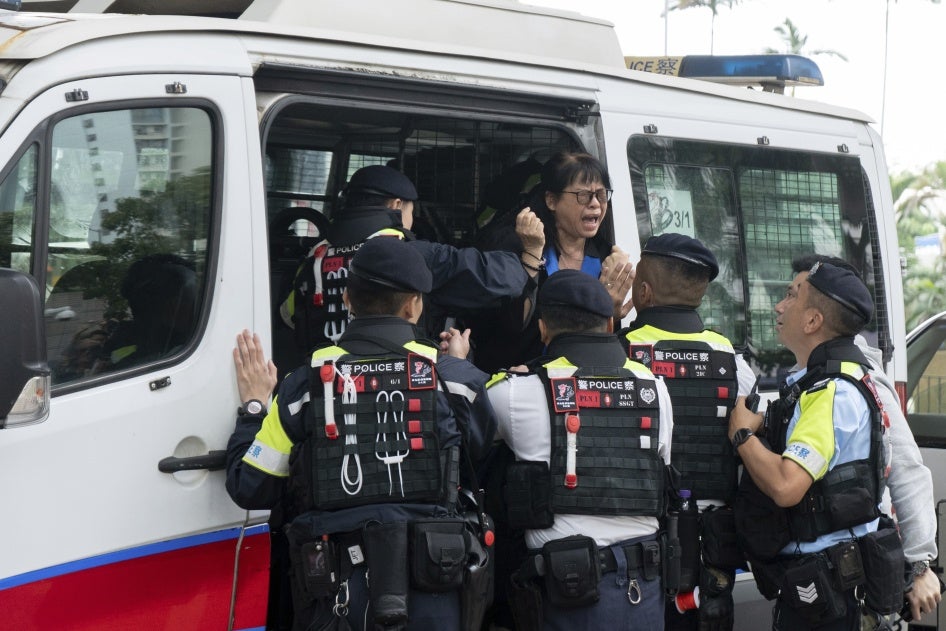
(676, 282)
(372, 299)
(566, 319)
(841, 320)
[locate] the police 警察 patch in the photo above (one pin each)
(612, 392)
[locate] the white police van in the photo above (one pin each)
(154, 172)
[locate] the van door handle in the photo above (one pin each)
(212, 461)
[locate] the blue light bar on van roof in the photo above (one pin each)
(771, 71)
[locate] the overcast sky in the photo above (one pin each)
(914, 128)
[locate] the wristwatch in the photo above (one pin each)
(253, 407)
(919, 567)
(742, 435)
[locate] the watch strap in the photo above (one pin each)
(742, 435)
(253, 407)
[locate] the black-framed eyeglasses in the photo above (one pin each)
(603, 196)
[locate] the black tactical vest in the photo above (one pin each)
(614, 418)
(845, 497)
(375, 440)
(700, 373)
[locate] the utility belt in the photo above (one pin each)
(428, 555)
(816, 585)
(571, 568)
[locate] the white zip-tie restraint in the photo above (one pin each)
(327, 374)
(350, 396)
(381, 437)
(572, 425)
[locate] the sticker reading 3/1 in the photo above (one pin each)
(671, 211)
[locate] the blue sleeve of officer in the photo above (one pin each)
(466, 393)
(252, 485)
(466, 278)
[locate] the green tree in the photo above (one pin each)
(796, 42)
(920, 200)
(712, 5)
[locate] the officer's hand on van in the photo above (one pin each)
(742, 417)
(455, 343)
(617, 276)
(256, 375)
(531, 232)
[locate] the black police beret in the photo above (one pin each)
(391, 262)
(843, 286)
(573, 288)
(381, 180)
(684, 248)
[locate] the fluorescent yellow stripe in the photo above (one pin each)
(559, 368)
(270, 451)
(650, 335)
(811, 443)
(497, 378)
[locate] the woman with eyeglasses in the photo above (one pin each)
(560, 229)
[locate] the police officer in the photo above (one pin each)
(379, 200)
(807, 508)
(704, 375)
(590, 431)
(366, 445)
(910, 482)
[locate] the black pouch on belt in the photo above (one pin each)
(845, 558)
(572, 571)
(720, 542)
(438, 554)
(882, 554)
(386, 547)
(319, 568)
(808, 588)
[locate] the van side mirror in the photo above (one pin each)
(24, 373)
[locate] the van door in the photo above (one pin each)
(926, 413)
(129, 201)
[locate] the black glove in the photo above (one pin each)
(716, 604)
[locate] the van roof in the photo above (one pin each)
(504, 30)
(491, 28)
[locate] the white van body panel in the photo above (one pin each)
(85, 483)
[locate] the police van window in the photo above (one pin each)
(18, 213)
(926, 384)
(699, 202)
(758, 208)
(129, 221)
(462, 167)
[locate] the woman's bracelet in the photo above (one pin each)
(530, 267)
(541, 261)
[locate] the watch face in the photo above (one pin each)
(253, 407)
